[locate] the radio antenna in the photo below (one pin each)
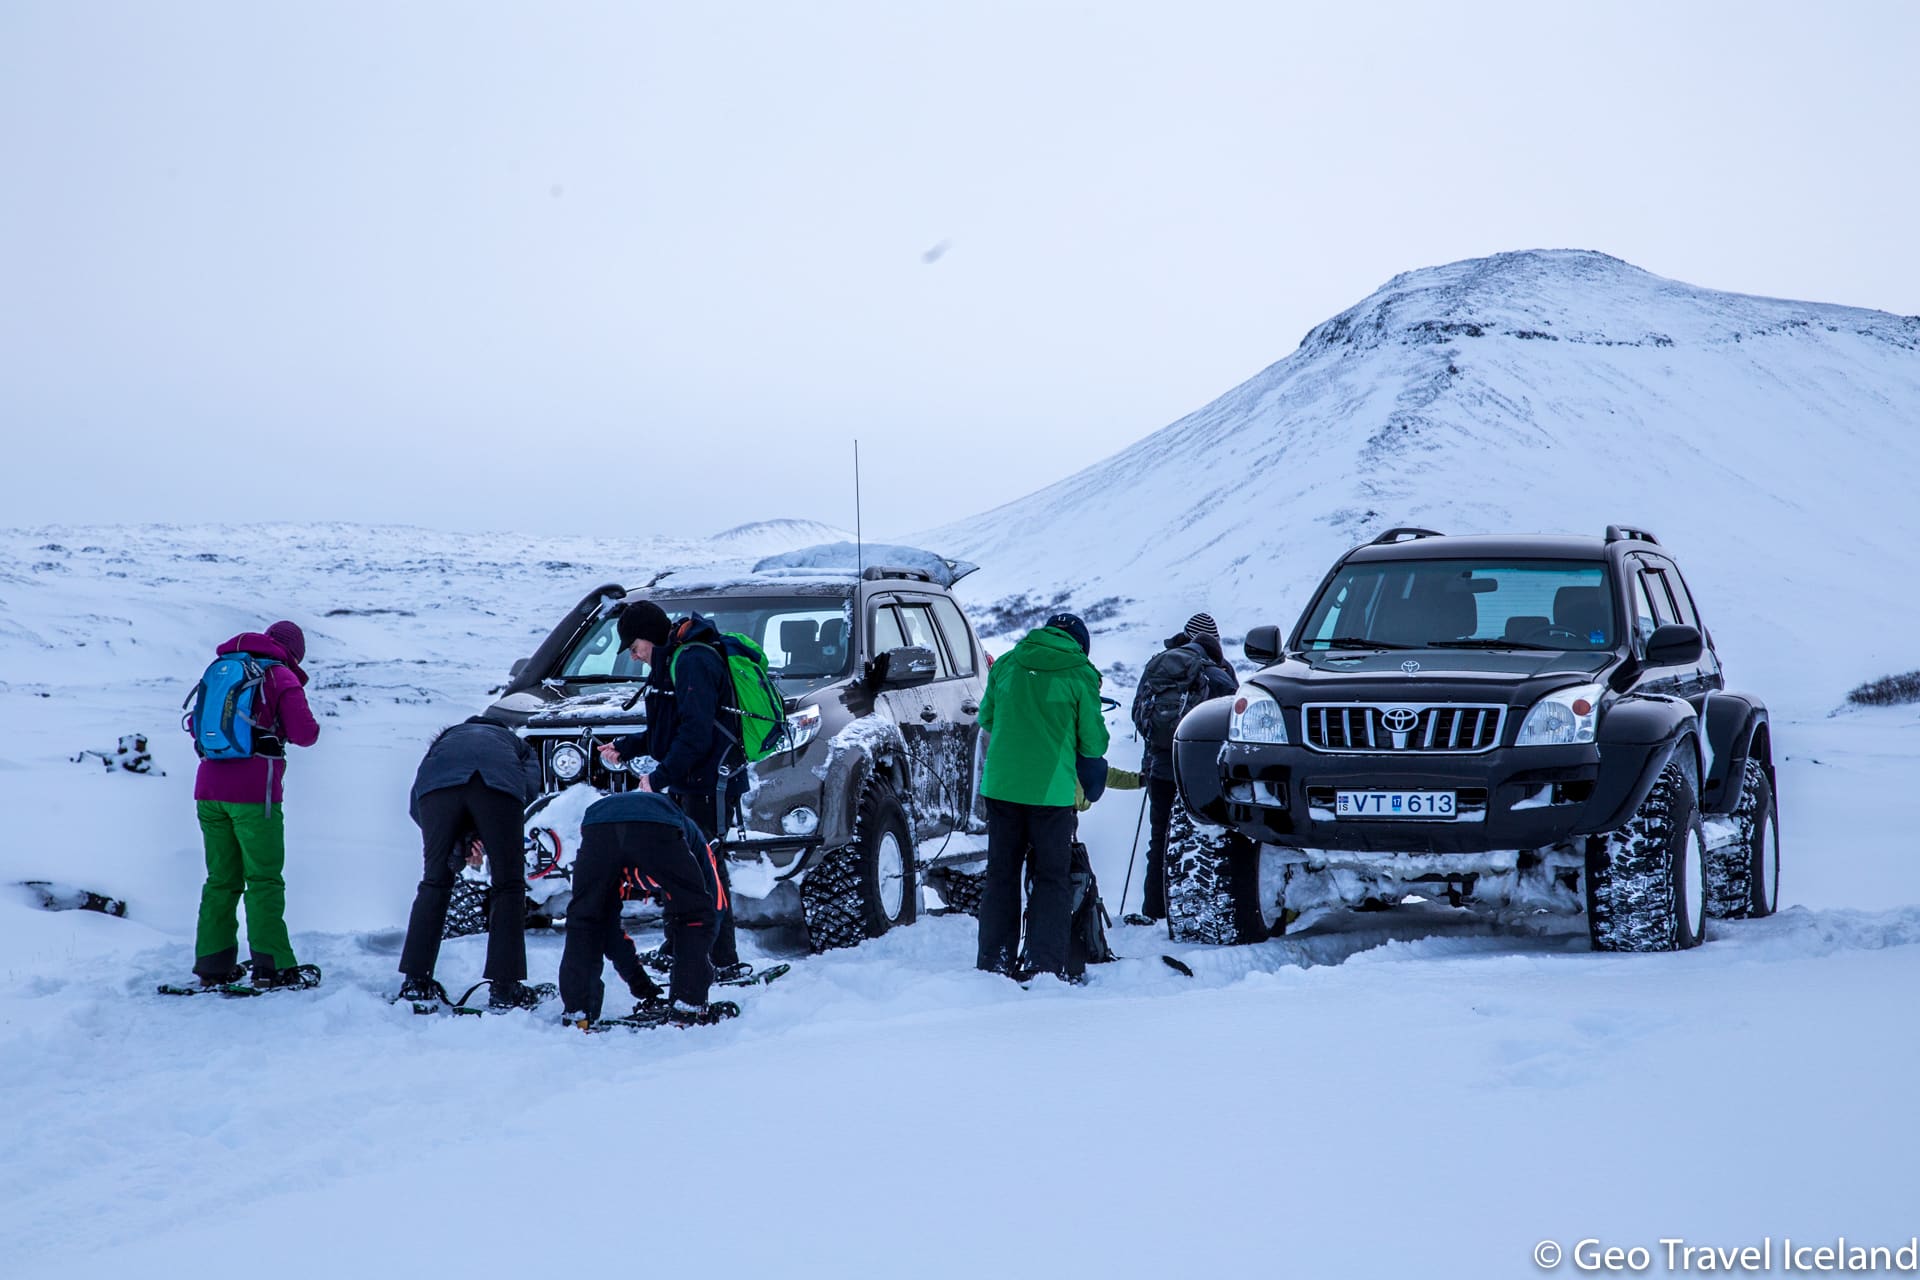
(859, 536)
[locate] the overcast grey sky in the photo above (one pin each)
(650, 268)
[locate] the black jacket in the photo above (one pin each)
(496, 753)
(1217, 680)
(689, 730)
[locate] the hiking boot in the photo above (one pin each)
(235, 974)
(514, 995)
(292, 978)
(423, 991)
(682, 1014)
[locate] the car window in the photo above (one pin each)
(917, 619)
(1411, 604)
(1650, 606)
(886, 631)
(959, 636)
(600, 657)
(1676, 596)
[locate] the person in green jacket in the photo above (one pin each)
(1042, 708)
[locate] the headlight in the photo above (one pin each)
(1563, 718)
(568, 762)
(802, 726)
(1256, 717)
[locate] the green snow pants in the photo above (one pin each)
(246, 854)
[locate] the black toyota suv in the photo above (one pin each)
(1531, 722)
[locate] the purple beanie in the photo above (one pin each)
(289, 637)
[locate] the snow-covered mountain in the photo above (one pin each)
(769, 537)
(1769, 443)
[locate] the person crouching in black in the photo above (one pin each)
(633, 844)
(476, 780)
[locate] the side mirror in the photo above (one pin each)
(903, 668)
(1263, 645)
(519, 665)
(1674, 645)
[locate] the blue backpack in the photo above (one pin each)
(220, 710)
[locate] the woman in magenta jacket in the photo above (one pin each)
(243, 827)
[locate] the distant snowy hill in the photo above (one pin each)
(769, 537)
(1771, 444)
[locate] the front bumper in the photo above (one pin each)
(1507, 798)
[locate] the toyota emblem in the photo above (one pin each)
(1400, 719)
(1410, 667)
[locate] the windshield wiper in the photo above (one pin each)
(1355, 642)
(1491, 642)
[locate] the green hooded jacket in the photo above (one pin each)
(1042, 707)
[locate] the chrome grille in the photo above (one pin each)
(1388, 728)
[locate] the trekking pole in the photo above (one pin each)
(1139, 822)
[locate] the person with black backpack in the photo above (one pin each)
(249, 706)
(693, 730)
(1189, 670)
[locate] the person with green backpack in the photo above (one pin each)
(694, 729)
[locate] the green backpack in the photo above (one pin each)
(763, 712)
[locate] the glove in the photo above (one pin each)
(1092, 772)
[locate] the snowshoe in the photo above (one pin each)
(752, 977)
(658, 960)
(1137, 919)
(732, 974)
(237, 973)
(673, 1015)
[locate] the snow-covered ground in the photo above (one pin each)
(1415, 1093)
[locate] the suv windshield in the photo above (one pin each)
(1444, 604)
(805, 637)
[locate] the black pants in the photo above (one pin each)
(1161, 794)
(705, 811)
(644, 858)
(445, 816)
(1017, 834)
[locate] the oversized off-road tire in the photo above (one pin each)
(1646, 881)
(1213, 884)
(868, 887)
(1743, 875)
(467, 908)
(960, 890)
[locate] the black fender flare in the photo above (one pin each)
(1639, 736)
(1196, 759)
(849, 770)
(1737, 729)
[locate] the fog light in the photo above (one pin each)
(641, 766)
(800, 821)
(568, 762)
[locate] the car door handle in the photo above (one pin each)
(971, 707)
(929, 714)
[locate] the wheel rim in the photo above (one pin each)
(890, 866)
(1694, 869)
(1271, 882)
(1769, 867)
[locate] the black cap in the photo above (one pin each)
(1072, 625)
(643, 620)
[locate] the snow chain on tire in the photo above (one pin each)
(466, 909)
(830, 896)
(1736, 884)
(1634, 893)
(1208, 874)
(962, 890)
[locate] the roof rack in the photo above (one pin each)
(1394, 535)
(1627, 533)
(876, 572)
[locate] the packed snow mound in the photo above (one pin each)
(1768, 443)
(765, 537)
(848, 558)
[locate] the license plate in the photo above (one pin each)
(1434, 806)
